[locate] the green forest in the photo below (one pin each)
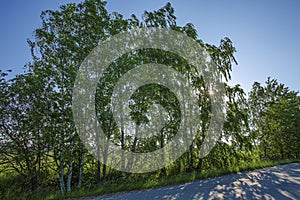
(42, 155)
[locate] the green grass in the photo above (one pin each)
(134, 182)
(109, 188)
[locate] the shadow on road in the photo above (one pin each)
(280, 182)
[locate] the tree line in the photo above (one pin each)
(40, 144)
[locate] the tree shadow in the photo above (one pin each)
(280, 182)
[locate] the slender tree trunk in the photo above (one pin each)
(122, 156)
(122, 143)
(104, 162)
(98, 159)
(33, 182)
(69, 181)
(104, 171)
(131, 159)
(81, 168)
(61, 173)
(163, 170)
(199, 165)
(191, 148)
(31, 174)
(39, 155)
(98, 170)
(105, 157)
(184, 140)
(191, 159)
(265, 151)
(162, 143)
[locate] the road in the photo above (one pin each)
(280, 182)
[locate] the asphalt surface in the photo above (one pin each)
(280, 182)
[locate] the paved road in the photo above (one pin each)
(280, 182)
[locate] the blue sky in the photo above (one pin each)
(266, 33)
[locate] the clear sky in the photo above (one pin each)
(266, 33)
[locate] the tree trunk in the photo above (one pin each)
(105, 156)
(123, 148)
(104, 172)
(122, 143)
(69, 181)
(81, 168)
(163, 170)
(130, 161)
(33, 182)
(162, 143)
(265, 152)
(98, 159)
(61, 173)
(98, 171)
(199, 165)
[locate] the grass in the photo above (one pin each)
(140, 182)
(109, 188)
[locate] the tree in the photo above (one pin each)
(274, 116)
(63, 41)
(67, 36)
(24, 126)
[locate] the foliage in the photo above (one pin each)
(41, 150)
(275, 111)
